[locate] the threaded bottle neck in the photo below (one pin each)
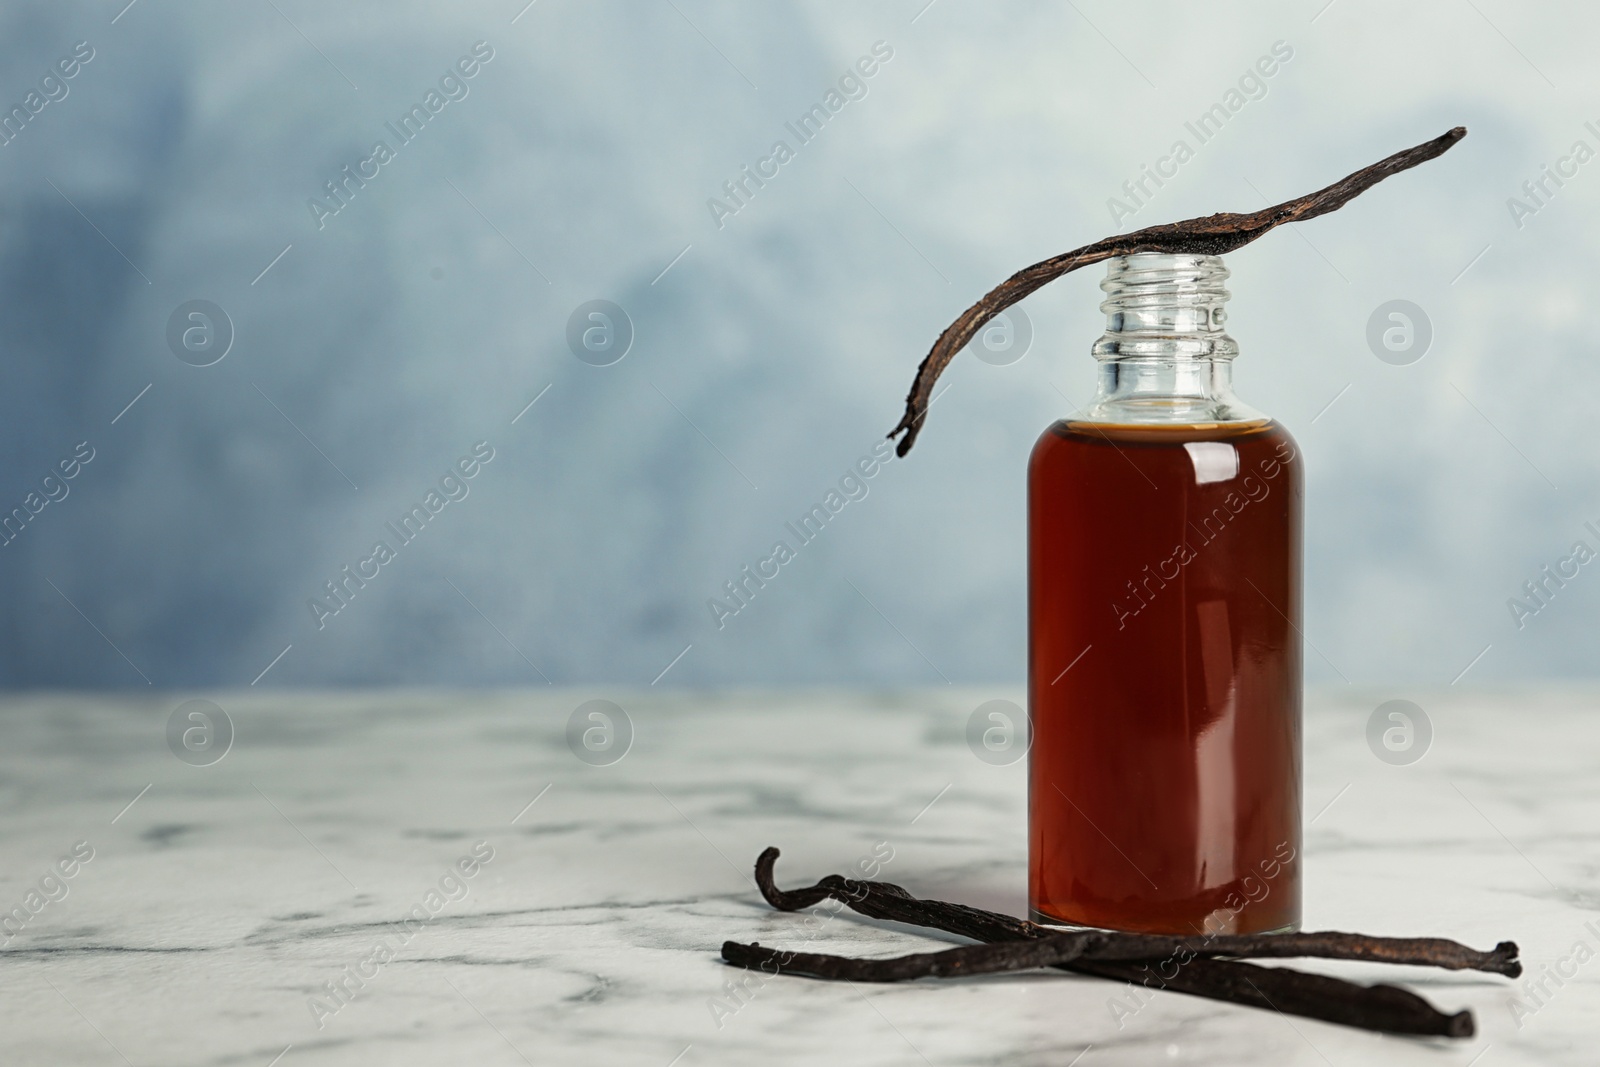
(1165, 357)
(1165, 306)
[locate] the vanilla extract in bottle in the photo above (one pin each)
(1164, 563)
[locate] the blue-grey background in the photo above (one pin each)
(775, 351)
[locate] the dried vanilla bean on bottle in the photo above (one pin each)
(1164, 579)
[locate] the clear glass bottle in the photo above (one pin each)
(1164, 564)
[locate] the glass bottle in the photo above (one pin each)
(1164, 560)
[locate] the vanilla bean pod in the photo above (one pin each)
(1211, 235)
(1052, 949)
(1327, 944)
(1380, 1007)
(885, 900)
(1385, 1008)
(994, 958)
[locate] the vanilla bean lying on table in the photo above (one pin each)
(1016, 944)
(994, 958)
(1053, 948)
(1382, 1008)
(1325, 944)
(1385, 1008)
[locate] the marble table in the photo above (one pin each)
(437, 878)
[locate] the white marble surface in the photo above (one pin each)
(217, 906)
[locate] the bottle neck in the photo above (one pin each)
(1165, 357)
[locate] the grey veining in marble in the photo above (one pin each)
(435, 878)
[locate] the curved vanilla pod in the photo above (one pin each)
(1211, 235)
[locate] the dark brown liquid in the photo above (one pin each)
(1164, 778)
